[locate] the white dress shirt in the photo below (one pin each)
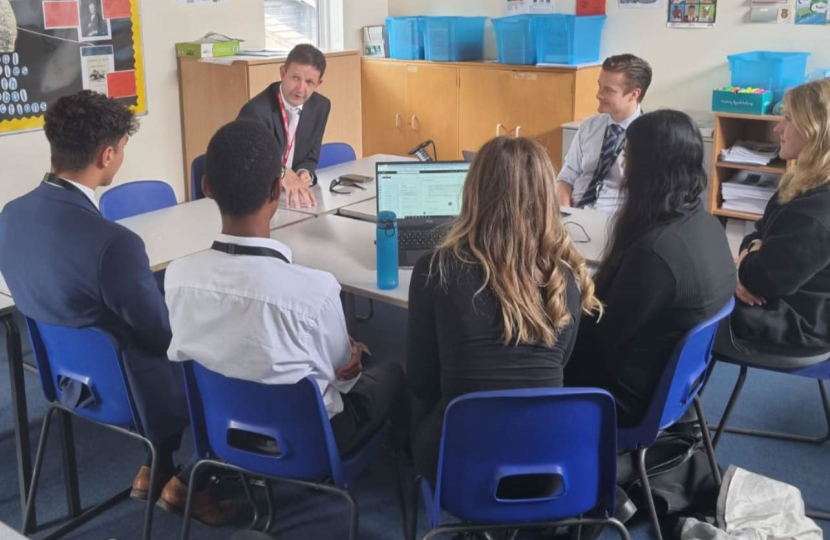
(583, 158)
(259, 318)
(293, 114)
(89, 192)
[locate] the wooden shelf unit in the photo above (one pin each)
(729, 128)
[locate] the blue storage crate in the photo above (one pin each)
(453, 39)
(514, 39)
(406, 37)
(765, 69)
(567, 39)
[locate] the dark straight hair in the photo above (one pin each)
(307, 55)
(663, 174)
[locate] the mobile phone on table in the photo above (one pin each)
(359, 178)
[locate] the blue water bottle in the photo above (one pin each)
(387, 250)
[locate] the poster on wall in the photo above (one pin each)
(53, 48)
(642, 4)
(692, 13)
(812, 12)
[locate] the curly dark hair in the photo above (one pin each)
(243, 167)
(81, 125)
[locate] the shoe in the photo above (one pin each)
(206, 510)
(141, 483)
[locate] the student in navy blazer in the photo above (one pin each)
(67, 265)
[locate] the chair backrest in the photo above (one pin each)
(135, 198)
(680, 383)
(335, 153)
(92, 357)
(293, 415)
(197, 171)
(559, 443)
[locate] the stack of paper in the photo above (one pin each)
(749, 191)
(750, 152)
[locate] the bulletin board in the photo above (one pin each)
(53, 48)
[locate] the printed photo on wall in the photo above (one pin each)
(642, 4)
(96, 62)
(692, 13)
(93, 24)
(811, 12)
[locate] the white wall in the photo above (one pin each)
(155, 152)
(360, 13)
(688, 63)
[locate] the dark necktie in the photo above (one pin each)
(607, 157)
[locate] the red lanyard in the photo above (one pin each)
(288, 137)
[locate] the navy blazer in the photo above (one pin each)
(67, 265)
(265, 108)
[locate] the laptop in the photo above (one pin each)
(425, 196)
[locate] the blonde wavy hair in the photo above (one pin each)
(510, 227)
(808, 107)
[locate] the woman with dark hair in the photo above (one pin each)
(667, 266)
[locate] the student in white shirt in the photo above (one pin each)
(244, 310)
(591, 175)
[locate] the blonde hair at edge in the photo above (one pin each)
(510, 227)
(808, 107)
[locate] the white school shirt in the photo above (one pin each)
(293, 114)
(582, 160)
(259, 318)
(89, 192)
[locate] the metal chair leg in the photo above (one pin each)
(251, 500)
(620, 528)
(641, 466)
(412, 525)
(707, 442)
(41, 448)
(368, 317)
(70, 464)
(188, 505)
(270, 498)
(729, 406)
(152, 492)
(352, 513)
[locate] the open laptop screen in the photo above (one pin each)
(421, 190)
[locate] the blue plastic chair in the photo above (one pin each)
(335, 153)
(135, 198)
(561, 441)
(679, 386)
(93, 357)
(197, 171)
(293, 416)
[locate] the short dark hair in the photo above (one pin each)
(307, 55)
(242, 167)
(636, 70)
(80, 125)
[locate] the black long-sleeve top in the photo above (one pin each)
(455, 347)
(792, 272)
(677, 274)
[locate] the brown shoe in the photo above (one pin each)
(206, 510)
(141, 482)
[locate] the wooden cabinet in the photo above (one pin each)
(462, 105)
(729, 128)
(211, 95)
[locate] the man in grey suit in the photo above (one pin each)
(297, 115)
(67, 265)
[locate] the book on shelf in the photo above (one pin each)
(750, 153)
(749, 191)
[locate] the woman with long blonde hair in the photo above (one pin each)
(497, 305)
(784, 266)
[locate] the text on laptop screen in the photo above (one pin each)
(421, 189)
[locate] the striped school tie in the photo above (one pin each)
(607, 157)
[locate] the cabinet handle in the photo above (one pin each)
(397, 121)
(517, 130)
(499, 127)
(414, 123)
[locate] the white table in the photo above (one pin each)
(364, 211)
(328, 202)
(346, 249)
(7, 533)
(187, 228)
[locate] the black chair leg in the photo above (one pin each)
(707, 442)
(70, 464)
(729, 406)
(652, 510)
(352, 513)
(152, 492)
(188, 505)
(246, 486)
(270, 499)
(412, 525)
(41, 448)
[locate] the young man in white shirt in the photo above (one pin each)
(243, 309)
(592, 172)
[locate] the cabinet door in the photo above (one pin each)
(432, 108)
(538, 106)
(384, 111)
(483, 97)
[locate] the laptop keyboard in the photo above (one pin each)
(420, 239)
